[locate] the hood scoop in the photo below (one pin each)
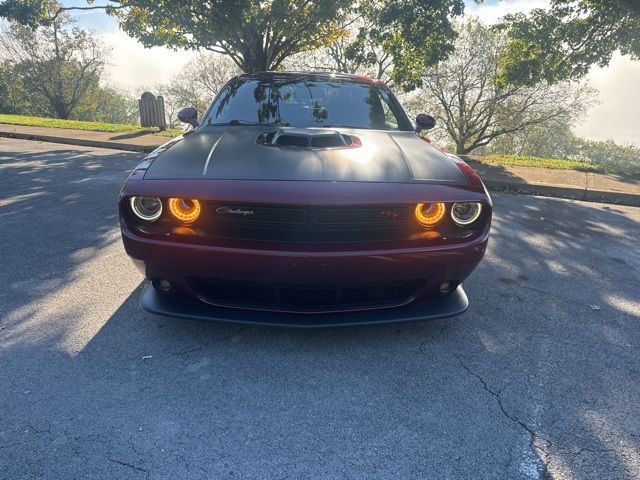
(308, 139)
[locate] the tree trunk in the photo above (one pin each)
(252, 65)
(255, 56)
(61, 109)
(466, 150)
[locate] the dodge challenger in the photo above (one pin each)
(304, 199)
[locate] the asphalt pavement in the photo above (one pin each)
(539, 379)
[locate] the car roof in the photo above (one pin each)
(321, 76)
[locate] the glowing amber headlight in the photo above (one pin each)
(185, 210)
(430, 214)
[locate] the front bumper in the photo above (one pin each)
(178, 262)
(178, 306)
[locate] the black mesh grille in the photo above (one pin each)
(309, 224)
(301, 298)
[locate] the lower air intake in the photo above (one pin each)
(305, 298)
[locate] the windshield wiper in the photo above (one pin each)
(246, 122)
(236, 122)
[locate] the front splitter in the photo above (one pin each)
(451, 305)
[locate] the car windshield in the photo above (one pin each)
(299, 102)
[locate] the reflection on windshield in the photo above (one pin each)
(306, 103)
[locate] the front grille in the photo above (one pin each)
(309, 224)
(305, 298)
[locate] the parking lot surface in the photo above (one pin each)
(539, 379)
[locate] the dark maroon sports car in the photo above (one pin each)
(304, 199)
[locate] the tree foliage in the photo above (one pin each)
(390, 40)
(25, 12)
(109, 105)
(564, 41)
(410, 34)
(11, 98)
(475, 109)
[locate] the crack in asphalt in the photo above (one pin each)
(40, 431)
(583, 450)
(129, 465)
(538, 450)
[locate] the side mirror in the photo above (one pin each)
(189, 115)
(424, 122)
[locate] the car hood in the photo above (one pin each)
(233, 153)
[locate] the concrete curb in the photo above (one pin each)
(571, 193)
(82, 142)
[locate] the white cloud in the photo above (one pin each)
(491, 13)
(131, 65)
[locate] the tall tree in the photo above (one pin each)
(56, 64)
(564, 41)
(475, 109)
(259, 35)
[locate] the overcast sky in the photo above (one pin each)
(617, 116)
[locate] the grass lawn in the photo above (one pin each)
(78, 125)
(554, 163)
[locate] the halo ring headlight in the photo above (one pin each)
(148, 209)
(185, 210)
(466, 213)
(430, 214)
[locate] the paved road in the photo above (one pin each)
(538, 380)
